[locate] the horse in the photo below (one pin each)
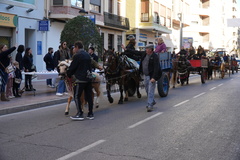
(62, 66)
(118, 71)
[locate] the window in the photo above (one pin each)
(58, 2)
(95, 5)
(145, 10)
(77, 3)
(156, 18)
(110, 41)
(119, 46)
(27, 1)
(110, 6)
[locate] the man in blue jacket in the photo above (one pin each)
(80, 67)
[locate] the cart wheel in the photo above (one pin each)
(203, 75)
(131, 87)
(163, 85)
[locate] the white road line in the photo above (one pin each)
(199, 95)
(220, 84)
(81, 150)
(180, 103)
(145, 120)
(213, 88)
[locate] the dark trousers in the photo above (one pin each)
(49, 81)
(15, 88)
(4, 81)
(78, 90)
(28, 81)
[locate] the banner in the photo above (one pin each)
(8, 20)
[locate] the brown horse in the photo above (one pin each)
(63, 65)
(117, 71)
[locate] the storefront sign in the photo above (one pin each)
(8, 20)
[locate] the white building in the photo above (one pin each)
(19, 24)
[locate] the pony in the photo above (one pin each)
(119, 71)
(63, 66)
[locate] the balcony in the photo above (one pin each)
(116, 21)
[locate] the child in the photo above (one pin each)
(17, 80)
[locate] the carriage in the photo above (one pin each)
(199, 66)
(129, 75)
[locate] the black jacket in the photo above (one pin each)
(19, 59)
(154, 68)
(4, 58)
(56, 58)
(27, 63)
(48, 59)
(80, 65)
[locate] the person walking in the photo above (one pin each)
(61, 55)
(4, 63)
(161, 46)
(9, 86)
(150, 68)
(81, 68)
(48, 59)
(28, 67)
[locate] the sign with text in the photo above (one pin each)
(8, 20)
(43, 25)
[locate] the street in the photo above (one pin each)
(194, 122)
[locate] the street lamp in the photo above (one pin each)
(181, 26)
(82, 12)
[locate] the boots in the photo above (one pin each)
(3, 97)
(32, 89)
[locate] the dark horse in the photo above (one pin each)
(118, 70)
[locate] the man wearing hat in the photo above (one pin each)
(150, 68)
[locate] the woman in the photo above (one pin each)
(28, 67)
(4, 62)
(161, 47)
(19, 57)
(64, 53)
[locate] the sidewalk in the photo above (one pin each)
(44, 96)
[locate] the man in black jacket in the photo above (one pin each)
(150, 68)
(80, 67)
(48, 59)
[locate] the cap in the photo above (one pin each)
(150, 46)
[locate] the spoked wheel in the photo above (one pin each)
(203, 75)
(163, 85)
(131, 87)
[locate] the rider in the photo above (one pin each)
(217, 60)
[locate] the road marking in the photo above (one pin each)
(81, 150)
(199, 95)
(180, 103)
(220, 84)
(213, 88)
(145, 120)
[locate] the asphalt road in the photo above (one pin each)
(194, 122)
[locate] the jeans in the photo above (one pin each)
(61, 86)
(150, 89)
(49, 81)
(4, 80)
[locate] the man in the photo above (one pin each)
(48, 59)
(80, 67)
(150, 68)
(93, 55)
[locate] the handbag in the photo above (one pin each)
(17, 80)
(90, 75)
(9, 68)
(33, 68)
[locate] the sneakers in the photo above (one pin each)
(77, 117)
(49, 85)
(65, 93)
(149, 109)
(90, 116)
(59, 94)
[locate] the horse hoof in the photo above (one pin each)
(125, 99)
(120, 102)
(97, 106)
(173, 87)
(139, 96)
(66, 113)
(110, 100)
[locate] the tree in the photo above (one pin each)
(82, 29)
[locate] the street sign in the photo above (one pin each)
(43, 25)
